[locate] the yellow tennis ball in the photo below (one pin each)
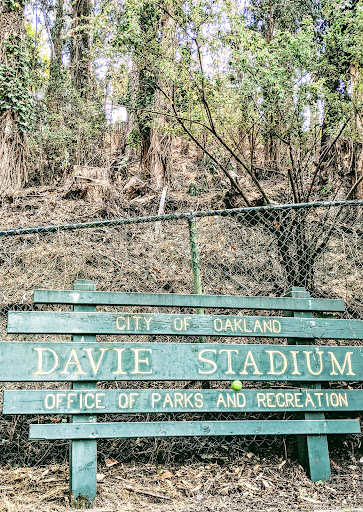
(236, 384)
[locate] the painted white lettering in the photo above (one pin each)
(229, 359)
(261, 399)
(198, 400)
(99, 398)
(258, 325)
(270, 400)
(89, 404)
(241, 400)
(73, 361)
(341, 369)
(147, 321)
(245, 326)
(178, 324)
(298, 399)
(218, 325)
(276, 326)
(40, 352)
(294, 361)
(278, 402)
(95, 367)
(208, 361)
(119, 370)
(120, 323)
(155, 397)
(250, 361)
(139, 361)
(308, 361)
(343, 399)
(221, 401)
(319, 395)
(59, 399)
(49, 401)
(123, 400)
(273, 370)
(70, 399)
(231, 400)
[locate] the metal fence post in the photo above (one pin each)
(194, 249)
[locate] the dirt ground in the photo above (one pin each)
(251, 483)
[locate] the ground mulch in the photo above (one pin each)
(250, 483)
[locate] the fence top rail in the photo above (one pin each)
(183, 300)
(176, 216)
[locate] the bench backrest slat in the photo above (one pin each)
(52, 322)
(136, 401)
(92, 361)
(178, 300)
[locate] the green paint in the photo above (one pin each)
(191, 428)
(177, 300)
(85, 361)
(186, 325)
(83, 454)
(313, 450)
(179, 400)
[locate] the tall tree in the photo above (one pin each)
(81, 45)
(16, 111)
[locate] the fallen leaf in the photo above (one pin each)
(196, 488)
(111, 462)
(100, 477)
(266, 483)
(256, 469)
(166, 474)
(310, 500)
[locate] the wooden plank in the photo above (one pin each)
(178, 300)
(191, 428)
(83, 454)
(71, 361)
(52, 322)
(50, 401)
(313, 450)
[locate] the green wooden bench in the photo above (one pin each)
(84, 362)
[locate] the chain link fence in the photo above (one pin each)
(251, 251)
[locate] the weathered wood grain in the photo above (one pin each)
(51, 322)
(179, 400)
(74, 361)
(83, 454)
(177, 300)
(191, 428)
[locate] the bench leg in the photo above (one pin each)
(313, 450)
(83, 472)
(83, 454)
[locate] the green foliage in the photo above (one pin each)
(14, 83)
(14, 5)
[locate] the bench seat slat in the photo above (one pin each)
(181, 300)
(191, 428)
(52, 322)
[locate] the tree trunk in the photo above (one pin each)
(55, 68)
(81, 45)
(13, 90)
(160, 147)
(357, 145)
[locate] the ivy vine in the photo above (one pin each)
(14, 83)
